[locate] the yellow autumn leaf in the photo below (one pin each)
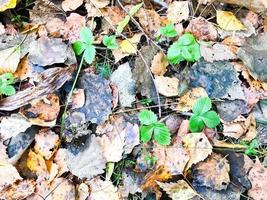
(36, 163)
(130, 45)
(7, 4)
(228, 21)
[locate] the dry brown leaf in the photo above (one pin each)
(258, 178)
(217, 52)
(70, 5)
(159, 64)
(202, 29)
(178, 11)
(179, 190)
(18, 191)
(99, 3)
(187, 101)
(113, 15)
(83, 192)
(61, 160)
(174, 158)
(150, 21)
(104, 190)
(46, 143)
(78, 98)
(167, 86)
(241, 126)
(42, 112)
(24, 69)
(198, 147)
(36, 163)
(62, 189)
(213, 172)
(8, 174)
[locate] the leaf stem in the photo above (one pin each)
(70, 95)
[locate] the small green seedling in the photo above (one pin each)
(6, 87)
(202, 115)
(168, 31)
(145, 102)
(103, 70)
(151, 126)
(251, 147)
(186, 48)
(110, 42)
(85, 45)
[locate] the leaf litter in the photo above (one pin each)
(62, 140)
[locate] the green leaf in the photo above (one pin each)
(187, 54)
(202, 105)
(186, 39)
(110, 42)
(122, 24)
(147, 117)
(7, 90)
(7, 78)
(135, 9)
(174, 53)
(146, 133)
(196, 124)
(162, 134)
(168, 31)
(89, 54)
(211, 119)
(78, 47)
(86, 35)
(195, 49)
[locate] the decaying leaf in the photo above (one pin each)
(9, 59)
(42, 112)
(61, 160)
(228, 21)
(69, 5)
(187, 101)
(12, 125)
(167, 86)
(178, 11)
(179, 190)
(50, 80)
(113, 15)
(36, 163)
(18, 190)
(103, 190)
(202, 29)
(62, 189)
(159, 64)
(46, 142)
(241, 126)
(89, 162)
(83, 191)
(258, 178)
(122, 78)
(78, 98)
(216, 52)
(213, 172)
(8, 174)
(198, 147)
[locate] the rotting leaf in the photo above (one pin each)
(213, 172)
(50, 80)
(122, 78)
(179, 190)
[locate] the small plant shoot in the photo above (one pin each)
(168, 31)
(110, 42)
(150, 126)
(251, 147)
(6, 87)
(85, 45)
(186, 48)
(203, 116)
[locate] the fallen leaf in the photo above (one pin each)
(216, 52)
(9, 59)
(61, 160)
(99, 3)
(46, 143)
(198, 147)
(213, 172)
(178, 11)
(24, 69)
(159, 64)
(69, 5)
(202, 29)
(122, 78)
(187, 101)
(228, 21)
(83, 192)
(173, 122)
(36, 163)
(8, 174)
(104, 190)
(113, 15)
(7, 4)
(258, 178)
(19, 190)
(42, 112)
(62, 189)
(78, 98)
(129, 46)
(89, 162)
(179, 190)
(167, 86)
